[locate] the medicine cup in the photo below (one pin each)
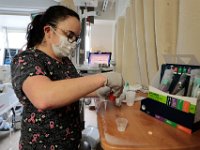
(130, 97)
(121, 124)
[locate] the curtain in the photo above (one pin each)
(118, 44)
(188, 28)
(150, 31)
(130, 63)
(166, 27)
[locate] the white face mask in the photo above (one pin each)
(64, 48)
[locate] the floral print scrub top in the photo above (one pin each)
(45, 129)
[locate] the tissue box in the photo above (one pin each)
(180, 112)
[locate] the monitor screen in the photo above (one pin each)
(99, 58)
(9, 54)
(33, 15)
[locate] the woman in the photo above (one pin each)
(48, 85)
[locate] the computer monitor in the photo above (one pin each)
(99, 58)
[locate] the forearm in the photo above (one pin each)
(54, 94)
(74, 89)
(93, 94)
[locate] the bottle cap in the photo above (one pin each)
(111, 97)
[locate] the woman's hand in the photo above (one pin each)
(115, 82)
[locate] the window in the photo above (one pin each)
(14, 40)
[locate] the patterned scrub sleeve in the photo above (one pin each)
(24, 65)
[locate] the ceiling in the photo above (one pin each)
(20, 10)
(24, 7)
(103, 9)
(16, 13)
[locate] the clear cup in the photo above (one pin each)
(130, 98)
(98, 103)
(121, 124)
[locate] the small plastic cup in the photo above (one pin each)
(98, 103)
(121, 124)
(130, 98)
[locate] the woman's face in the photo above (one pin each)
(70, 28)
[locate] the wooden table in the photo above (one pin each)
(142, 132)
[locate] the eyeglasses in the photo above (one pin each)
(71, 36)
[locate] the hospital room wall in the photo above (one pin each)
(103, 32)
(102, 35)
(150, 29)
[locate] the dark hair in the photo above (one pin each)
(51, 16)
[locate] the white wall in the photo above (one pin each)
(1, 45)
(14, 21)
(103, 31)
(102, 35)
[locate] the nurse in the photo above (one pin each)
(48, 85)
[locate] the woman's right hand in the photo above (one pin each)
(115, 82)
(103, 92)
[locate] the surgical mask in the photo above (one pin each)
(64, 48)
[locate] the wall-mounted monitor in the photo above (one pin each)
(9, 54)
(99, 58)
(33, 15)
